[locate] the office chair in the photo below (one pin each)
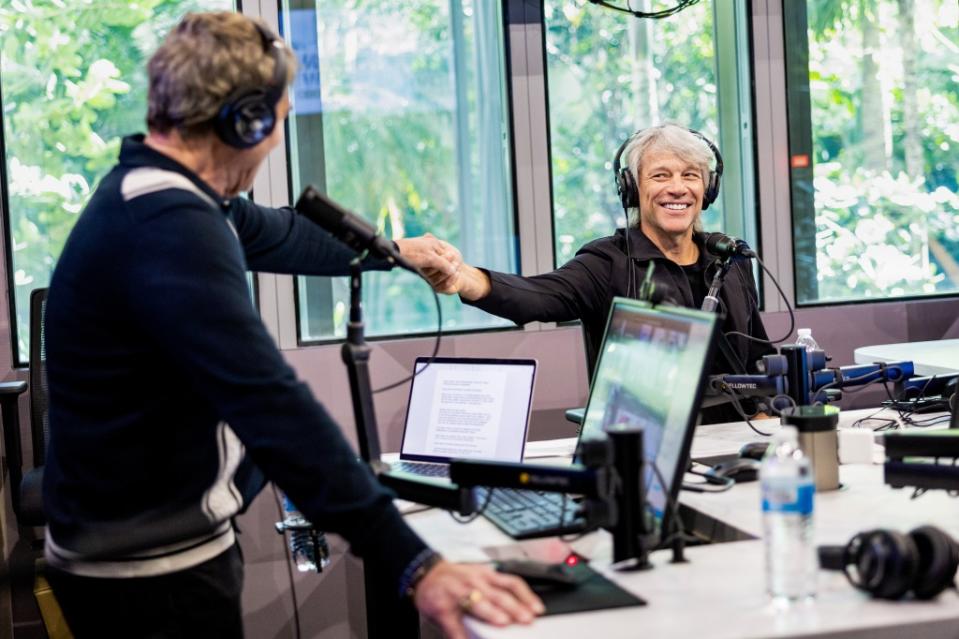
(31, 488)
(10, 418)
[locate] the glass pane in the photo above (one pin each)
(73, 81)
(874, 143)
(400, 113)
(610, 75)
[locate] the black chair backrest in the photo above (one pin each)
(39, 403)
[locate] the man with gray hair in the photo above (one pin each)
(672, 175)
(170, 402)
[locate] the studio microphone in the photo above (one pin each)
(348, 227)
(725, 246)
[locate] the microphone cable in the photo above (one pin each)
(436, 343)
(792, 316)
(289, 565)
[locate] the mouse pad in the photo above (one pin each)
(591, 592)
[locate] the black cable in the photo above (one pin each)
(728, 482)
(475, 514)
(289, 564)
(889, 423)
(654, 15)
(792, 317)
(734, 396)
(436, 345)
(772, 403)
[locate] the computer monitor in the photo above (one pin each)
(650, 374)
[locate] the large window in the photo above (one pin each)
(611, 74)
(874, 147)
(72, 75)
(401, 114)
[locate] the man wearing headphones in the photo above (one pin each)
(169, 401)
(672, 174)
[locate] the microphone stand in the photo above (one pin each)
(711, 303)
(386, 614)
(356, 355)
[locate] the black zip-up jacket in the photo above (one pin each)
(583, 289)
(165, 385)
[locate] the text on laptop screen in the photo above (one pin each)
(469, 410)
(648, 375)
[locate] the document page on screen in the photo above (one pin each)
(469, 410)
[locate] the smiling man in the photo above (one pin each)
(671, 175)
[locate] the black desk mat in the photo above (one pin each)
(592, 591)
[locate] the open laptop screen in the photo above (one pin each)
(468, 408)
(649, 375)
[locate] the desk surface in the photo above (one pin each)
(930, 358)
(720, 593)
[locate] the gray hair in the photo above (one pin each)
(203, 60)
(674, 139)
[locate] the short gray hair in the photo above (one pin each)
(671, 138)
(203, 60)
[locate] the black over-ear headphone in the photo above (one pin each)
(626, 184)
(888, 564)
(248, 115)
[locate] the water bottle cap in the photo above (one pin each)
(786, 434)
(804, 332)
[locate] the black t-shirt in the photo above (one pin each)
(697, 282)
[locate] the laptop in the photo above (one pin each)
(465, 408)
(650, 374)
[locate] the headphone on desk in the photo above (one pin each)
(888, 564)
(626, 183)
(248, 115)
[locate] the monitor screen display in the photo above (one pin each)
(649, 375)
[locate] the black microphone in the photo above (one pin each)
(725, 246)
(348, 227)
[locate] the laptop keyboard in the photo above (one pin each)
(424, 470)
(527, 514)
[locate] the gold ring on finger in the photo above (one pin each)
(466, 603)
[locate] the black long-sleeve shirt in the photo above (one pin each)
(165, 385)
(583, 289)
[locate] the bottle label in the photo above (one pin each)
(788, 497)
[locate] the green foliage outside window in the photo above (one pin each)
(884, 87)
(73, 82)
(411, 131)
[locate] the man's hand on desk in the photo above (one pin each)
(448, 591)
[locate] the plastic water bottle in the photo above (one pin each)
(308, 548)
(805, 338)
(786, 483)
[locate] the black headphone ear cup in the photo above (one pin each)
(901, 565)
(712, 190)
(626, 186)
(246, 120)
(883, 563)
(938, 558)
